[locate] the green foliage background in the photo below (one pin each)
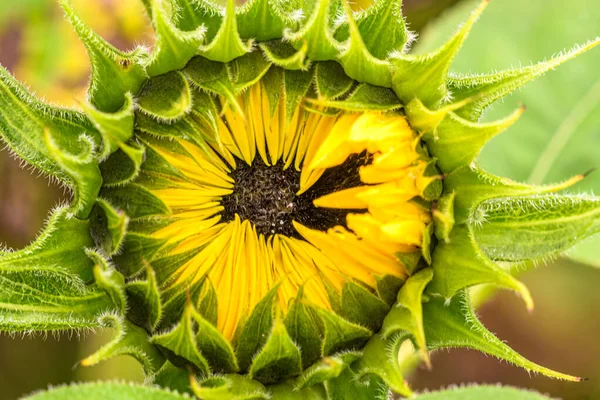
(562, 331)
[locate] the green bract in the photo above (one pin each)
(99, 263)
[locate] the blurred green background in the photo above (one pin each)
(562, 333)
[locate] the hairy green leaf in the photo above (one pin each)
(105, 391)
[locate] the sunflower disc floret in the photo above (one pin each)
(280, 201)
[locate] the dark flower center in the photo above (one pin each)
(266, 196)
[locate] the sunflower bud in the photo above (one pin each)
(282, 202)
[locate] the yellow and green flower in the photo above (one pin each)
(279, 201)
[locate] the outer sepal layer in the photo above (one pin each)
(46, 286)
(31, 129)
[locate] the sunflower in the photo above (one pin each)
(279, 201)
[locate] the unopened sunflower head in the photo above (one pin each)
(280, 200)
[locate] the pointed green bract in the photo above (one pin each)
(181, 342)
(174, 47)
(82, 169)
(381, 358)
(472, 186)
(459, 264)
(316, 33)
(172, 378)
(407, 313)
(389, 285)
(285, 56)
(116, 129)
(247, 70)
(109, 279)
(303, 325)
(278, 359)
(179, 299)
(364, 97)
(213, 77)
(214, 346)
(137, 248)
(208, 304)
(326, 369)
(108, 227)
(129, 340)
(455, 325)
(382, 29)
(443, 216)
(341, 334)
(457, 142)
(295, 86)
(486, 89)
(424, 76)
(190, 15)
(534, 227)
(227, 44)
(331, 81)
(252, 337)
(362, 307)
(261, 20)
(144, 303)
(358, 62)
(135, 200)
(166, 98)
(124, 71)
(123, 166)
